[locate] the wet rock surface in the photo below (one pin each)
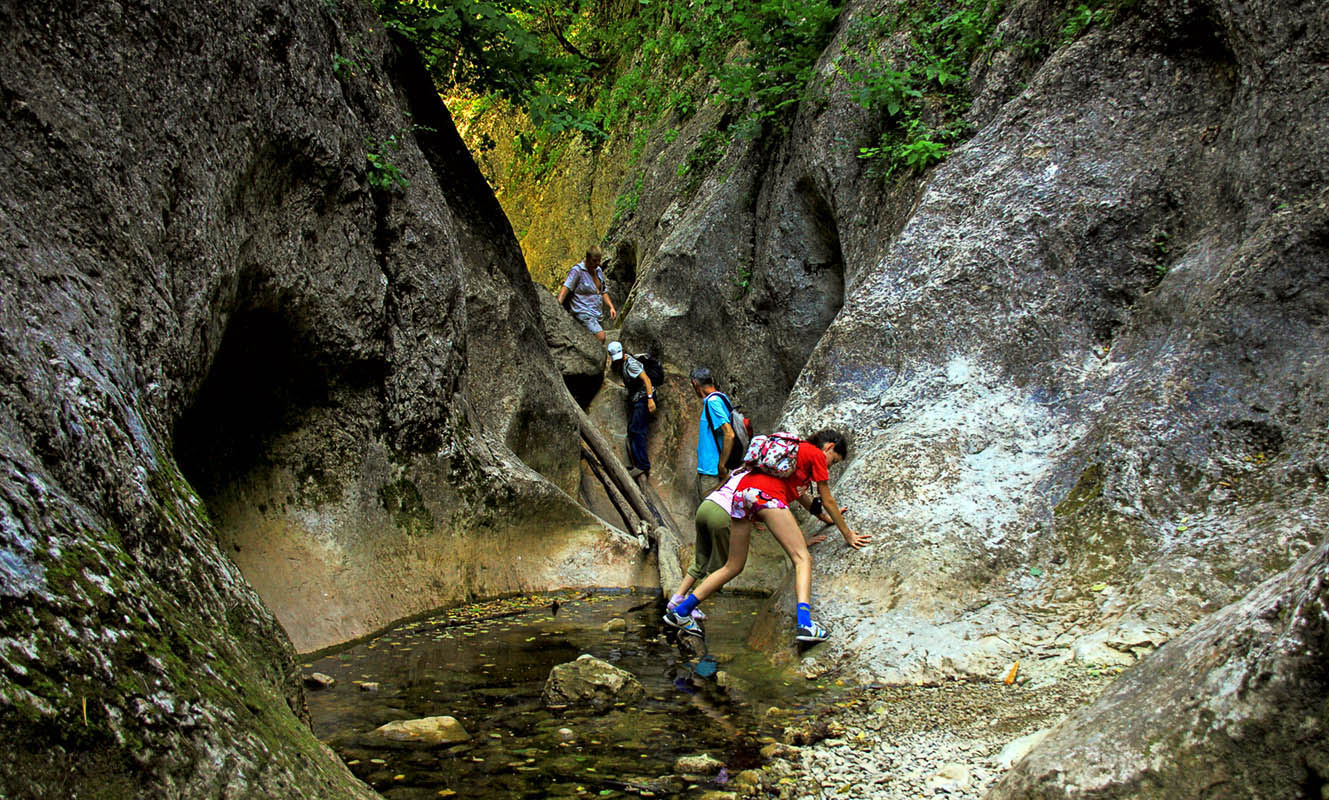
(590, 682)
(426, 730)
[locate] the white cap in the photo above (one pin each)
(615, 351)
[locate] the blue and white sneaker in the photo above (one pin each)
(685, 624)
(676, 599)
(812, 633)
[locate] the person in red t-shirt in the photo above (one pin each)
(765, 498)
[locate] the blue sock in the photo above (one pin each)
(804, 615)
(689, 603)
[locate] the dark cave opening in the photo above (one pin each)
(623, 268)
(261, 382)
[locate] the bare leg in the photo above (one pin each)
(740, 531)
(601, 337)
(784, 527)
(683, 587)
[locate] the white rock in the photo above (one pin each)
(950, 778)
(1011, 754)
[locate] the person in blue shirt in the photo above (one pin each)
(715, 435)
(586, 281)
(715, 440)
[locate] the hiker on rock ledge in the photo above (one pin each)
(641, 405)
(586, 281)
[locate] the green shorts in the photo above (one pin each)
(712, 549)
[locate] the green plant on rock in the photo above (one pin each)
(915, 148)
(383, 173)
(919, 89)
(707, 153)
(1085, 16)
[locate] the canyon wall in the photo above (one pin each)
(274, 373)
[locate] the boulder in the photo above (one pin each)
(1234, 707)
(426, 730)
(592, 683)
(702, 765)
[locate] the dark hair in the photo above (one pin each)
(702, 375)
(825, 435)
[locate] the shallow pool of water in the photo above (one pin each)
(486, 666)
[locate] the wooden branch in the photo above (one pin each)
(611, 491)
(591, 436)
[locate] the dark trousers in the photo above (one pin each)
(638, 420)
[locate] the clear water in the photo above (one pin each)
(488, 673)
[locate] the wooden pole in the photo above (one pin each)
(611, 491)
(614, 468)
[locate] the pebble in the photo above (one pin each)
(903, 743)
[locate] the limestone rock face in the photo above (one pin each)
(1234, 707)
(1082, 361)
(243, 362)
(588, 681)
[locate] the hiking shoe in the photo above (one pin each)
(812, 633)
(678, 598)
(684, 624)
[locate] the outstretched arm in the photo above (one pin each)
(851, 538)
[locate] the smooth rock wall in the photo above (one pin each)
(233, 364)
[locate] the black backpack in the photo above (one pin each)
(653, 369)
(650, 367)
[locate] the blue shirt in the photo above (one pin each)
(708, 449)
(585, 298)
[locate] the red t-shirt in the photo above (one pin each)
(810, 467)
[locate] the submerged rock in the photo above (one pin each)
(426, 730)
(704, 764)
(588, 681)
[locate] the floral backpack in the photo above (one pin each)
(775, 454)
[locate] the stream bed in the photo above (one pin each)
(486, 665)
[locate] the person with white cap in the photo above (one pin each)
(641, 404)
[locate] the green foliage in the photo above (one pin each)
(1087, 15)
(744, 279)
(913, 148)
(627, 202)
(920, 91)
(383, 174)
(506, 48)
(706, 154)
(1160, 252)
(585, 67)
